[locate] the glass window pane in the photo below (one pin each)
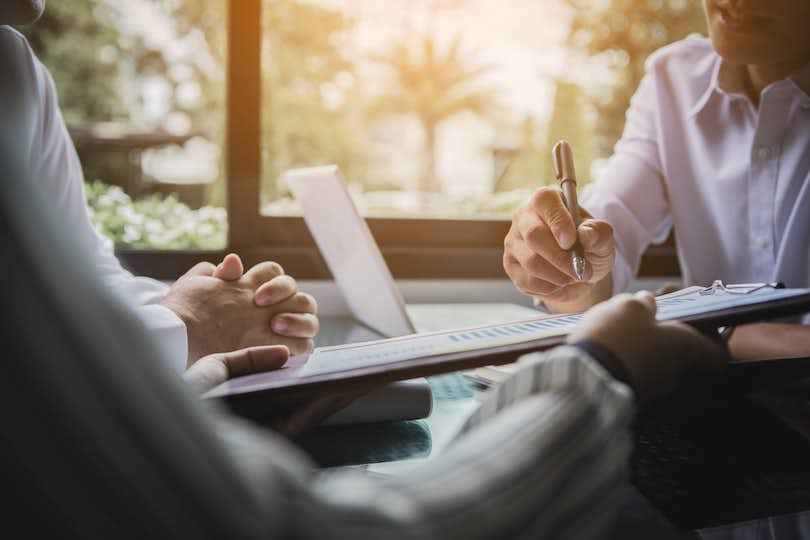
(449, 108)
(141, 86)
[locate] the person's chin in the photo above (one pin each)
(738, 39)
(21, 11)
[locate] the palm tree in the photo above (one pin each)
(433, 85)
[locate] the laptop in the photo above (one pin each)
(361, 274)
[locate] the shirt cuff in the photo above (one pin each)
(607, 359)
(169, 332)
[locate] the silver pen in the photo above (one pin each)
(564, 169)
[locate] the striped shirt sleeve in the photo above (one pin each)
(545, 456)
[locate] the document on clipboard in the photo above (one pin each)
(680, 305)
(362, 365)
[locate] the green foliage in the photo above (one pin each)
(68, 39)
(433, 85)
(309, 101)
(154, 222)
(623, 33)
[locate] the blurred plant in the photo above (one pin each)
(154, 222)
(433, 85)
(622, 34)
(75, 62)
(310, 98)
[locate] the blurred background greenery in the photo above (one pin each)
(142, 88)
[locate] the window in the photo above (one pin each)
(141, 86)
(439, 112)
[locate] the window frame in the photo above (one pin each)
(413, 248)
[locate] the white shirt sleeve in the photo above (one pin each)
(58, 171)
(631, 195)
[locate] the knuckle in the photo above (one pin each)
(603, 228)
(307, 302)
(536, 264)
(300, 346)
(204, 267)
(632, 307)
(272, 267)
(543, 288)
(561, 259)
(535, 234)
(545, 197)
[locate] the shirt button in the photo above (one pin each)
(761, 241)
(763, 152)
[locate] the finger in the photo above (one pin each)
(666, 289)
(538, 238)
(696, 350)
(538, 267)
(262, 272)
(201, 269)
(230, 269)
(277, 290)
(295, 325)
(299, 303)
(549, 204)
(265, 336)
(633, 308)
(648, 299)
(596, 237)
(255, 359)
(570, 293)
(296, 346)
(525, 282)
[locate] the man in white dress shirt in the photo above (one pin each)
(717, 148)
(211, 309)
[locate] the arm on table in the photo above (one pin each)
(770, 340)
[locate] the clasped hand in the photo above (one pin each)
(226, 309)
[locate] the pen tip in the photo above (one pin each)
(579, 268)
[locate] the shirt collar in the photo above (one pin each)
(727, 80)
(801, 78)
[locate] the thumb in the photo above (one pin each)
(648, 299)
(230, 269)
(695, 349)
(255, 360)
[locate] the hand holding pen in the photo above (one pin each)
(550, 254)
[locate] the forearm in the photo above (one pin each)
(545, 456)
(600, 292)
(770, 340)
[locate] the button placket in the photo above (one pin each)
(762, 187)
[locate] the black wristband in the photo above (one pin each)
(606, 358)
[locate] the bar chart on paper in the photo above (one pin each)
(677, 305)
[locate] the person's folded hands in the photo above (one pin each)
(227, 309)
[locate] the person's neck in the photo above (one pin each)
(759, 76)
